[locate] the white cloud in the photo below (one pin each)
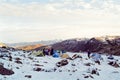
(76, 6)
(65, 19)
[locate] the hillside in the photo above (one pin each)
(48, 42)
(109, 44)
(20, 65)
(30, 47)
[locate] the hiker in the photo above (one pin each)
(89, 54)
(51, 51)
(63, 51)
(45, 51)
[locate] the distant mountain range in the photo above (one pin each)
(107, 44)
(104, 44)
(30, 47)
(21, 44)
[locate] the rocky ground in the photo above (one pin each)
(19, 65)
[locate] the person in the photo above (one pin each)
(63, 51)
(51, 51)
(45, 51)
(89, 54)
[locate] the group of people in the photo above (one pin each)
(52, 52)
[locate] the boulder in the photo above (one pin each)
(4, 71)
(62, 63)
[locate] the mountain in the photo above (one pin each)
(30, 47)
(32, 43)
(77, 45)
(108, 44)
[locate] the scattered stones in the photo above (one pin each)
(38, 65)
(114, 64)
(93, 71)
(46, 62)
(73, 64)
(17, 59)
(28, 76)
(30, 58)
(19, 62)
(98, 62)
(88, 76)
(48, 70)
(38, 69)
(78, 79)
(70, 74)
(17, 68)
(60, 70)
(91, 76)
(88, 64)
(75, 56)
(10, 58)
(62, 63)
(74, 70)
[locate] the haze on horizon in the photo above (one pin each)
(34, 20)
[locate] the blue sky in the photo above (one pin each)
(34, 20)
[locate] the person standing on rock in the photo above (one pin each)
(89, 54)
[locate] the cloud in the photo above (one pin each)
(57, 18)
(65, 7)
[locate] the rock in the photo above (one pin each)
(97, 62)
(76, 56)
(93, 71)
(38, 65)
(114, 64)
(19, 62)
(28, 76)
(4, 71)
(60, 70)
(86, 76)
(38, 69)
(17, 59)
(17, 68)
(62, 63)
(10, 58)
(87, 64)
(73, 64)
(45, 62)
(91, 76)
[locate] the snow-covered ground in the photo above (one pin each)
(74, 70)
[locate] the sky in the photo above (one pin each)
(35, 20)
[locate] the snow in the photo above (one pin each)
(67, 72)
